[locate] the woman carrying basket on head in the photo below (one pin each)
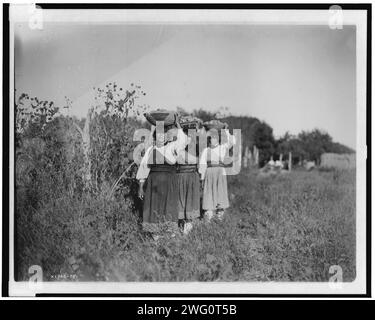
(158, 171)
(212, 170)
(188, 176)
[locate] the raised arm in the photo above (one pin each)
(143, 169)
(181, 142)
(143, 172)
(203, 163)
(231, 139)
(150, 137)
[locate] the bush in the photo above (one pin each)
(285, 228)
(292, 228)
(304, 222)
(51, 171)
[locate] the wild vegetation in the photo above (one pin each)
(78, 217)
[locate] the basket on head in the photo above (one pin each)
(190, 122)
(169, 117)
(214, 124)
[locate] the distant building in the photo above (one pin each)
(339, 161)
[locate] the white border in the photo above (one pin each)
(251, 17)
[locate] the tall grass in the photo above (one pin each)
(287, 228)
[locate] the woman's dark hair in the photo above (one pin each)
(216, 135)
(166, 129)
(196, 142)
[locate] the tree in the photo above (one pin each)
(297, 149)
(315, 143)
(340, 148)
(282, 145)
(265, 141)
(204, 115)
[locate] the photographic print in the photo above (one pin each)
(182, 151)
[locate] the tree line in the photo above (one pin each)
(307, 145)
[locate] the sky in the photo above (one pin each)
(292, 77)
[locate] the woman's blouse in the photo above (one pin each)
(169, 151)
(216, 154)
(185, 157)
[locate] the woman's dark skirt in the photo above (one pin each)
(161, 197)
(188, 190)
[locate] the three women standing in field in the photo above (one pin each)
(171, 169)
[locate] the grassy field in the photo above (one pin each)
(287, 228)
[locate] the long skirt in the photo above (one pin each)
(189, 198)
(215, 193)
(161, 200)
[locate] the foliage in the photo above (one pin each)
(50, 157)
(31, 110)
(254, 132)
(292, 228)
(309, 145)
(111, 132)
(315, 143)
(287, 228)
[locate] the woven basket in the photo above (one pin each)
(169, 117)
(190, 122)
(214, 124)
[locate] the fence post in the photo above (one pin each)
(246, 157)
(290, 162)
(249, 156)
(256, 155)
